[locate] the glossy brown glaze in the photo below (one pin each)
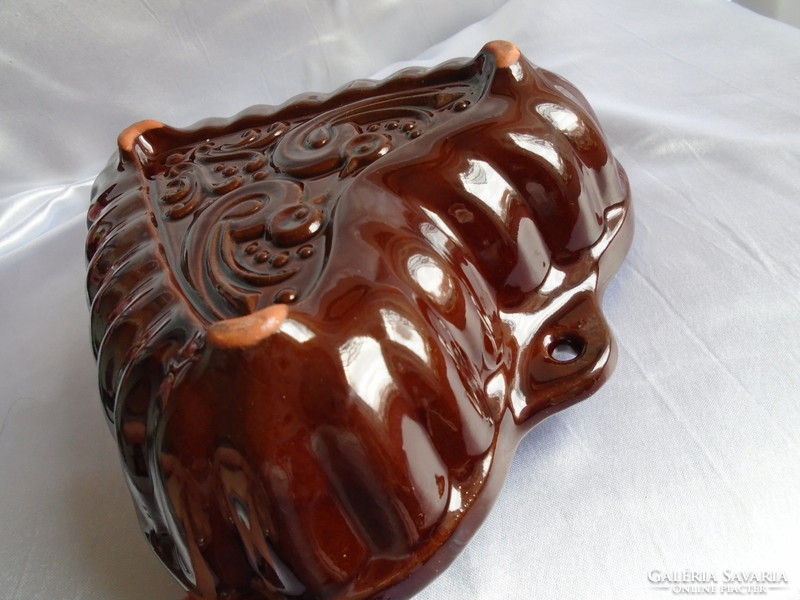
(322, 328)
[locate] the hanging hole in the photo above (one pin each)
(566, 349)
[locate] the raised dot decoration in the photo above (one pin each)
(280, 260)
(295, 224)
(286, 295)
(365, 149)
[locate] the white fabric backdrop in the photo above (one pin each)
(689, 458)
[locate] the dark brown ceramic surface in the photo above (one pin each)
(323, 328)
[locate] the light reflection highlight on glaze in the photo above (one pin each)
(366, 370)
(428, 472)
(533, 258)
(401, 331)
(562, 118)
(483, 181)
(540, 147)
(496, 386)
(433, 280)
(297, 331)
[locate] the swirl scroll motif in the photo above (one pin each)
(257, 202)
(246, 236)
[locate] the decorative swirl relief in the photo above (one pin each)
(257, 202)
(254, 240)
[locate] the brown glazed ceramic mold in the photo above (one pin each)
(323, 328)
